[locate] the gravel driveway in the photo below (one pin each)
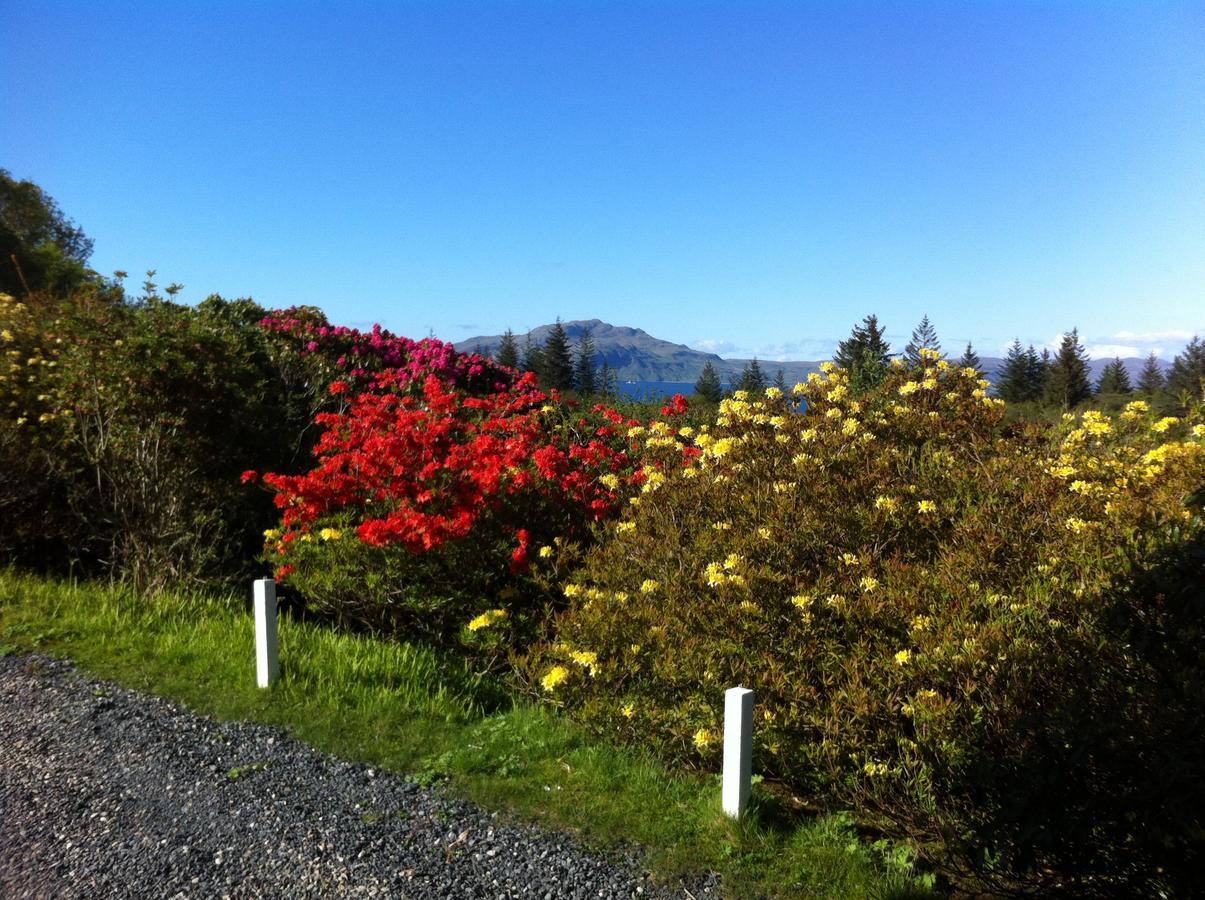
(105, 792)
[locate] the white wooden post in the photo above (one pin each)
(267, 662)
(738, 749)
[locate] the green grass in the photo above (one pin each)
(407, 709)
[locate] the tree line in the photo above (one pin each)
(1059, 381)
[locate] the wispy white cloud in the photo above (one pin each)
(1108, 351)
(713, 345)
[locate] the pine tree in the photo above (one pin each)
(708, 386)
(1067, 379)
(970, 360)
(1039, 371)
(606, 380)
(584, 375)
(557, 373)
(1012, 379)
(864, 354)
(924, 337)
(1114, 379)
(508, 351)
(753, 379)
(780, 380)
(1150, 379)
(533, 357)
(1184, 379)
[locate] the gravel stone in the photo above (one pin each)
(105, 792)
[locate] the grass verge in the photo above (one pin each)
(404, 708)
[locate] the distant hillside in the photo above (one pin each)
(635, 355)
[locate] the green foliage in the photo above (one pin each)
(584, 376)
(970, 359)
(132, 423)
(924, 337)
(1186, 380)
(988, 645)
(1114, 379)
(1150, 379)
(1067, 376)
(752, 377)
(508, 351)
(556, 360)
(864, 354)
(41, 250)
(708, 387)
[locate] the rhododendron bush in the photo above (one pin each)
(438, 483)
(985, 640)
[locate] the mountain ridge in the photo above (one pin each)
(635, 355)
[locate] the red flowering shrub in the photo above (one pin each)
(438, 484)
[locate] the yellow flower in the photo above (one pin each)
(849, 426)
(623, 527)
(714, 573)
(773, 393)
(801, 601)
(648, 586)
(1198, 431)
(703, 739)
(908, 387)
(6, 335)
(627, 710)
(1163, 424)
(721, 447)
(763, 533)
(926, 506)
(486, 619)
(903, 657)
(721, 526)
(733, 561)
(545, 552)
(585, 659)
(272, 534)
(572, 590)
(610, 481)
(330, 534)
(555, 676)
(869, 584)
(885, 503)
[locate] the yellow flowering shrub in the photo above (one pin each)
(985, 637)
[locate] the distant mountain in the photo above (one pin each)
(635, 355)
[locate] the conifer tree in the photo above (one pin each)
(708, 386)
(970, 359)
(1114, 379)
(924, 337)
(1039, 369)
(1013, 379)
(753, 379)
(1067, 378)
(864, 354)
(533, 357)
(1184, 379)
(1150, 379)
(508, 351)
(557, 370)
(584, 375)
(780, 380)
(606, 380)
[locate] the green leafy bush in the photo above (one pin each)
(129, 423)
(986, 640)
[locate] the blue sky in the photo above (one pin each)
(746, 177)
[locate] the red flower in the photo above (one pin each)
(249, 476)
